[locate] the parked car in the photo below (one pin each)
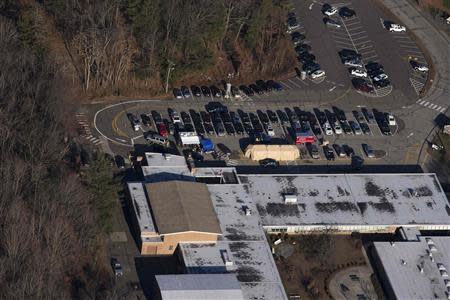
(256, 89)
(355, 127)
(156, 138)
(346, 54)
(215, 91)
(177, 93)
(397, 28)
(354, 62)
(346, 12)
(365, 128)
(368, 115)
(306, 57)
(117, 267)
(134, 120)
(146, 120)
(379, 77)
(156, 117)
(185, 91)
(120, 161)
(358, 116)
(368, 151)
(262, 85)
(246, 90)
(205, 91)
(331, 23)
(162, 130)
(317, 74)
(302, 48)
(174, 116)
(357, 72)
(348, 150)
(329, 10)
(328, 152)
(391, 120)
(373, 66)
(418, 66)
(196, 91)
(381, 83)
(215, 107)
(272, 116)
(297, 37)
(292, 24)
(339, 151)
(282, 116)
(269, 162)
(235, 92)
(274, 85)
(313, 151)
(310, 67)
(327, 129)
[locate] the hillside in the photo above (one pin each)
(124, 48)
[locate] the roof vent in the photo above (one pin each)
(441, 267)
(226, 258)
(290, 199)
(403, 262)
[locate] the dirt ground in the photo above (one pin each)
(306, 262)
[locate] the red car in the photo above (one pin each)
(162, 130)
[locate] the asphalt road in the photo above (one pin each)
(415, 115)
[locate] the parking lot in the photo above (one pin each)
(343, 130)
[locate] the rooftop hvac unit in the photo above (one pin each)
(432, 247)
(429, 241)
(290, 199)
(444, 273)
(277, 242)
(441, 267)
(247, 210)
(226, 258)
(447, 283)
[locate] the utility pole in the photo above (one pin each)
(169, 69)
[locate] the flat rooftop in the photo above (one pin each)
(249, 249)
(165, 167)
(199, 286)
(141, 207)
(402, 263)
(349, 199)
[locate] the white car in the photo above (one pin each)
(330, 11)
(317, 74)
(337, 128)
(380, 77)
(421, 68)
(327, 129)
(391, 120)
(270, 130)
(397, 28)
(175, 117)
(358, 72)
(352, 63)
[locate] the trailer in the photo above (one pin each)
(189, 138)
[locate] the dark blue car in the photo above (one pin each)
(275, 85)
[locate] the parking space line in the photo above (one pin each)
(299, 86)
(342, 37)
(356, 28)
(360, 38)
(301, 81)
(371, 57)
(365, 47)
(443, 109)
(285, 85)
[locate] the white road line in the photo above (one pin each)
(409, 47)
(368, 46)
(433, 106)
(421, 102)
(341, 37)
(443, 109)
(301, 81)
(426, 103)
(286, 86)
(438, 108)
(360, 38)
(299, 86)
(356, 28)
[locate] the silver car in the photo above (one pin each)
(368, 151)
(331, 23)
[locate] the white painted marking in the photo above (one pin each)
(294, 83)
(426, 103)
(332, 89)
(410, 135)
(433, 106)
(438, 108)
(443, 109)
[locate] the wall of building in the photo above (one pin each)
(170, 242)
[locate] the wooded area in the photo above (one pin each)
(121, 47)
(52, 224)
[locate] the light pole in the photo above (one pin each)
(169, 69)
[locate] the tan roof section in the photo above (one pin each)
(180, 206)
